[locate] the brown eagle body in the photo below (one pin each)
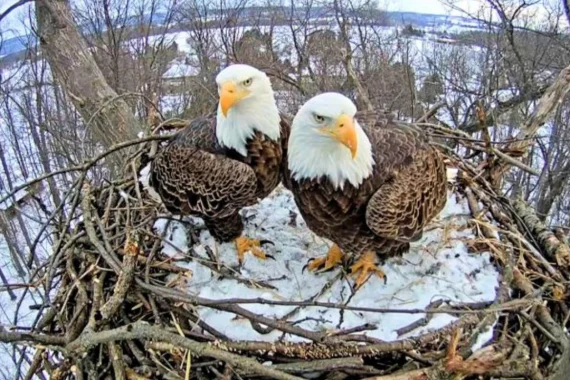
(391, 207)
(195, 175)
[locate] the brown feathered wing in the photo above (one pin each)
(193, 175)
(411, 180)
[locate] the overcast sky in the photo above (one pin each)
(461, 7)
(419, 6)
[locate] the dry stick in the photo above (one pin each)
(323, 365)
(80, 315)
(555, 248)
(193, 318)
(97, 298)
(539, 326)
(431, 112)
(20, 337)
(59, 210)
(121, 288)
(506, 256)
(143, 260)
(480, 308)
(141, 330)
(504, 372)
(35, 365)
(116, 357)
(515, 162)
(513, 233)
(90, 228)
(555, 330)
(295, 310)
(183, 297)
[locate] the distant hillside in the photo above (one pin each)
(444, 23)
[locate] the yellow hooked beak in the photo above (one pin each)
(230, 95)
(345, 133)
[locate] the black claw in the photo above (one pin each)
(307, 265)
(269, 257)
(262, 242)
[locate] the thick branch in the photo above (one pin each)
(546, 105)
(141, 330)
(20, 337)
(555, 249)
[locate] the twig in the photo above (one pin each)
(515, 162)
(431, 112)
(89, 227)
(21, 337)
(86, 166)
(124, 281)
(116, 355)
(460, 309)
(12, 8)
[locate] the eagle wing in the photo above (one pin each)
(193, 175)
(285, 125)
(411, 182)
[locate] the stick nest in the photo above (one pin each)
(112, 310)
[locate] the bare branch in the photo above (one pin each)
(13, 7)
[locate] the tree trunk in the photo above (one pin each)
(108, 117)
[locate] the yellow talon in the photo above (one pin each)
(244, 244)
(333, 257)
(367, 266)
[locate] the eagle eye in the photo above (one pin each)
(319, 119)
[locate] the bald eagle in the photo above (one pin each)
(370, 189)
(219, 164)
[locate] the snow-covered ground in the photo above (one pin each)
(439, 267)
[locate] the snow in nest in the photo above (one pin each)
(437, 267)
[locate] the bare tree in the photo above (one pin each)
(107, 116)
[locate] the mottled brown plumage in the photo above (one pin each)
(391, 207)
(194, 175)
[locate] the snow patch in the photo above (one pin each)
(144, 180)
(438, 267)
(484, 337)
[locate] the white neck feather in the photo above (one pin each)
(257, 113)
(312, 155)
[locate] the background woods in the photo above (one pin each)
(90, 74)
